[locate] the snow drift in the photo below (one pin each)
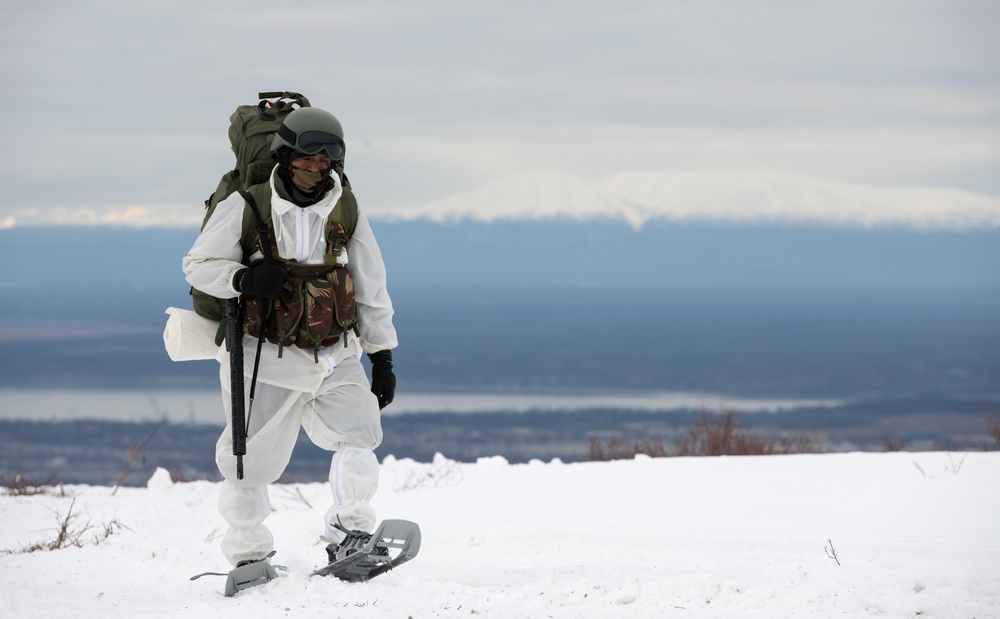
(893, 535)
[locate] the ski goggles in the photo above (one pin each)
(314, 142)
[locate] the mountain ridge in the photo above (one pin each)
(638, 197)
(709, 196)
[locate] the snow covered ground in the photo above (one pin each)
(914, 535)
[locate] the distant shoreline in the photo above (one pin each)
(94, 450)
(204, 407)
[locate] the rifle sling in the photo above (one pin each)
(269, 257)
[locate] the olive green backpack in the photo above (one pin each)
(250, 131)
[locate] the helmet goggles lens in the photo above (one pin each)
(313, 142)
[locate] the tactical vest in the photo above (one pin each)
(316, 307)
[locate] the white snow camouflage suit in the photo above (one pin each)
(331, 399)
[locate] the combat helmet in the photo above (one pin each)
(311, 131)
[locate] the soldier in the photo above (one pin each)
(315, 307)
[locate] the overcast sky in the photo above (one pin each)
(119, 109)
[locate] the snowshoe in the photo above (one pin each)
(249, 574)
(246, 574)
(363, 556)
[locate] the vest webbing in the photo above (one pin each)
(317, 305)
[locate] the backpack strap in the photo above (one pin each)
(267, 108)
(261, 226)
(257, 209)
(269, 257)
(348, 211)
(258, 198)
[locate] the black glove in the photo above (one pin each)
(383, 380)
(263, 279)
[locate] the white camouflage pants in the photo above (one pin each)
(341, 416)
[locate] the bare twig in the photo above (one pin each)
(617, 450)
(19, 485)
(134, 451)
(952, 466)
(723, 435)
(893, 444)
(297, 494)
(108, 530)
(64, 537)
(831, 551)
(993, 428)
(437, 474)
(67, 535)
(298, 491)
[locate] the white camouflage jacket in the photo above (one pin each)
(300, 233)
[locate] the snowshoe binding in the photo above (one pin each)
(246, 574)
(362, 556)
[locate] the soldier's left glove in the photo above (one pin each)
(383, 379)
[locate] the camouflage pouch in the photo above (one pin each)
(317, 304)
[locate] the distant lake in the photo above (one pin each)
(554, 348)
(205, 407)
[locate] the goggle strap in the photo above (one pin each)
(287, 135)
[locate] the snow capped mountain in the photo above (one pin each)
(530, 195)
(725, 196)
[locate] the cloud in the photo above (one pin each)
(127, 103)
(132, 216)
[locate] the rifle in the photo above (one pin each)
(234, 343)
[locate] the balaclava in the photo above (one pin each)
(301, 187)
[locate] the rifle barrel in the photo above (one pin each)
(234, 341)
